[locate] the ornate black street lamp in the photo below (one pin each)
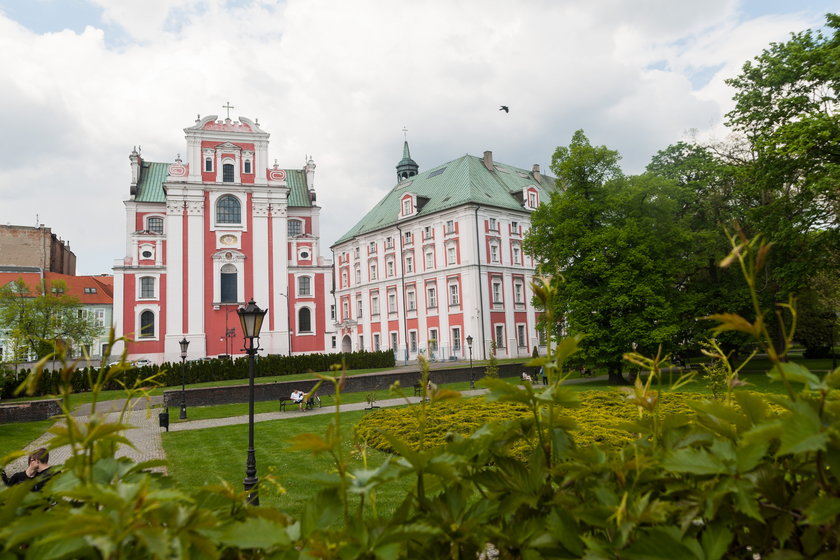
(469, 345)
(251, 318)
(184, 345)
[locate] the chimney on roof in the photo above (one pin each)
(488, 160)
(536, 171)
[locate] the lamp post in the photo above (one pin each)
(184, 345)
(469, 346)
(251, 318)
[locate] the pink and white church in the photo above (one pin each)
(209, 232)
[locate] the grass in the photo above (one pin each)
(200, 457)
(14, 437)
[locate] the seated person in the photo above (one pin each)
(297, 397)
(525, 376)
(38, 468)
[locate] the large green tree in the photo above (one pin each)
(624, 249)
(787, 103)
(35, 318)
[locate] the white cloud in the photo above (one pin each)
(339, 80)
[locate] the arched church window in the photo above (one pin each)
(228, 210)
(304, 320)
(227, 284)
(147, 324)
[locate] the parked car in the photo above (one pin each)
(142, 362)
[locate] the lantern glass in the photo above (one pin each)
(469, 341)
(251, 318)
(184, 345)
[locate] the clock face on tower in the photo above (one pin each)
(228, 239)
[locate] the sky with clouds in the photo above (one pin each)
(84, 81)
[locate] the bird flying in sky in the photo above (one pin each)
(504, 108)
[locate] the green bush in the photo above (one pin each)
(169, 374)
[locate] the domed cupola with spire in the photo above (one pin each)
(407, 167)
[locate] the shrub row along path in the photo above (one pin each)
(145, 435)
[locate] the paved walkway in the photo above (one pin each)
(145, 436)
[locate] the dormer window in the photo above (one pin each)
(406, 206)
(532, 199)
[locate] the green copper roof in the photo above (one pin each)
(298, 193)
(406, 159)
(150, 185)
(153, 175)
(462, 181)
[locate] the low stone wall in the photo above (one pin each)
(29, 411)
(205, 396)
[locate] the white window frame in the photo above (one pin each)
(456, 300)
(155, 287)
(496, 286)
(299, 285)
(411, 300)
(138, 311)
(392, 301)
(456, 339)
(518, 292)
(431, 296)
(497, 329)
(521, 336)
(374, 304)
(451, 255)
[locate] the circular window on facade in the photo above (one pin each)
(304, 255)
(146, 254)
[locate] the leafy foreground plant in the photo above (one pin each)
(732, 479)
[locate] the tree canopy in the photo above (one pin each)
(36, 318)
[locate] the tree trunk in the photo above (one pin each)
(614, 373)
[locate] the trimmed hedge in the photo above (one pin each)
(598, 419)
(204, 371)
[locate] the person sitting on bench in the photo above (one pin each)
(297, 398)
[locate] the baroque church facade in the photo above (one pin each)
(209, 232)
(439, 262)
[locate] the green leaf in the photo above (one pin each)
(694, 461)
(802, 431)
(715, 541)
(785, 555)
(659, 543)
(823, 510)
(796, 373)
(256, 532)
(750, 456)
(563, 527)
(745, 500)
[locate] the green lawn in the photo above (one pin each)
(201, 457)
(14, 437)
